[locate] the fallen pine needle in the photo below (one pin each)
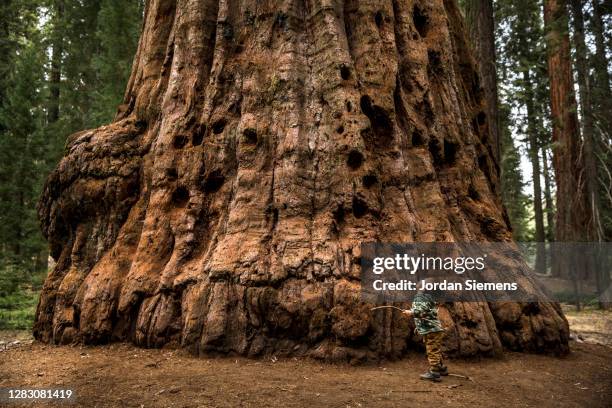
(414, 391)
(461, 376)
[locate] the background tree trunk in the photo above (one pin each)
(567, 161)
(56, 64)
(550, 210)
(534, 147)
(481, 24)
(256, 148)
(593, 228)
(602, 94)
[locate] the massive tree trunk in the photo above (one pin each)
(481, 24)
(257, 147)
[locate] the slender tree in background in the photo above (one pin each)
(548, 198)
(602, 96)
(513, 196)
(567, 161)
(602, 108)
(522, 56)
(534, 149)
(481, 23)
(57, 47)
(594, 229)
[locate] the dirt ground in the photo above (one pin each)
(120, 375)
(590, 325)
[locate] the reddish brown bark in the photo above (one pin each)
(257, 147)
(567, 161)
(481, 23)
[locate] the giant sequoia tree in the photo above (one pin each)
(257, 146)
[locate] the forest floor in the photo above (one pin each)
(120, 375)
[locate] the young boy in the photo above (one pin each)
(428, 325)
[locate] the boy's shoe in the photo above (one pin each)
(441, 369)
(431, 376)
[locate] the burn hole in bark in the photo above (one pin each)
(435, 150)
(250, 136)
(228, 31)
(421, 21)
(345, 72)
(214, 182)
(481, 118)
(76, 316)
(483, 164)
(179, 141)
(171, 173)
(470, 324)
(355, 159)
(450, 151)
(378, 18)
(369, 180)
(218, 126)
(280, 20)
(198, 135)
(417, 138)
(349, 106)
(531, 309)
(360, 207)
(434, 62)
(381, 123)
(180, 196)
(338, 215)
(340, 129)
(235, 107)
(141, 125)
(489, 227)
(473, 193)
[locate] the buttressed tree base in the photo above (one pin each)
(259, 143)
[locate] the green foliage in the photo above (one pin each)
(22, 153)
(117, 32)
(17, 310)
(515, 200)
(89, 45)
(18, 297)
(521, 55)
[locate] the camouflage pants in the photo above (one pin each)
(433, 348)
